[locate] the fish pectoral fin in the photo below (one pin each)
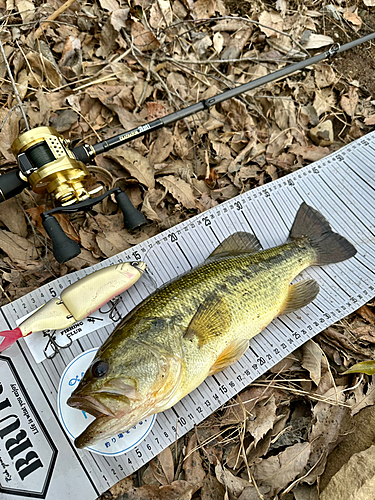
(236, 244)
(230, 355)
(212, 319)
(300, 294)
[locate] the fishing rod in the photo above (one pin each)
(48, 163)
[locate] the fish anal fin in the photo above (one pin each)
(236, 244)
(212, 319)
(230, 355)
(300, 294)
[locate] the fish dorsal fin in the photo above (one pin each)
(300, 294)
(230, 355)
(212, 319)
(236, 244)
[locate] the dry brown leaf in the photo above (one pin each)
(42, 68)
(179, 189)
(285, 113)
(370, 120)
(212, 489)
(143, 38)
(162, 147)
(118, 19)
(178, 490)
(367, 314)
(9, 133)
(325, 432)
(137, 165)
(84, 259)
(353, 18)
(13, 217)
(16, 246)
(349, 102)
(218, 42)
(261, 419)
(316, 41)
(312, 360)
(324, 100)
(236, 43)
(271, 19)
(204, 8)
(234, 484)
(324, 75)
(178, 83)
(155, 110)
(110, 5)
(26, 10)
(310, 153)
(161, 14)
(147, 208)
(363, 399)
(112, 243)
(192, 465)
(88, 241)
(278, 471)
(166, 461)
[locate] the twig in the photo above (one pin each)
(7, 116)
(52, 17)
(224, 61)
(228, 18)
(18, 98)
(5, 293)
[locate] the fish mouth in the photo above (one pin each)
(108, 420)
(89, 404)
(106, 424)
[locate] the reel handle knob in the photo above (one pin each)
(64, 248)
(133, 218)
(11, 184)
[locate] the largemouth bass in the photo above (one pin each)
(200, 324)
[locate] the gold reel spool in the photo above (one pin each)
(49, 165)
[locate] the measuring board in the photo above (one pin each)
(341, 187)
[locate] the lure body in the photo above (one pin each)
(77, 301)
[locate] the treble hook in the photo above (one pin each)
(55, 346)
(113, 312)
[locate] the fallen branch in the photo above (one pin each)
(52, 17)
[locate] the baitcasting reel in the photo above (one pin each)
(47, 164)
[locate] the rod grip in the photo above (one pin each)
(133, 218)
(64, 248)
(11, 184)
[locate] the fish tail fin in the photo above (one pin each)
(330, 247)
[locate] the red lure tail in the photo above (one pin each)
(9, 337)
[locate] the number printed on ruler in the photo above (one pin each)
(341, 187)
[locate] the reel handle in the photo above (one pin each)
(133, 218)
(11, 184)
(64, 248)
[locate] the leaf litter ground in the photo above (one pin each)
(104, 66)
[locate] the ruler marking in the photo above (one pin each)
(183, 253)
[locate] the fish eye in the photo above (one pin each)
(100, 368)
